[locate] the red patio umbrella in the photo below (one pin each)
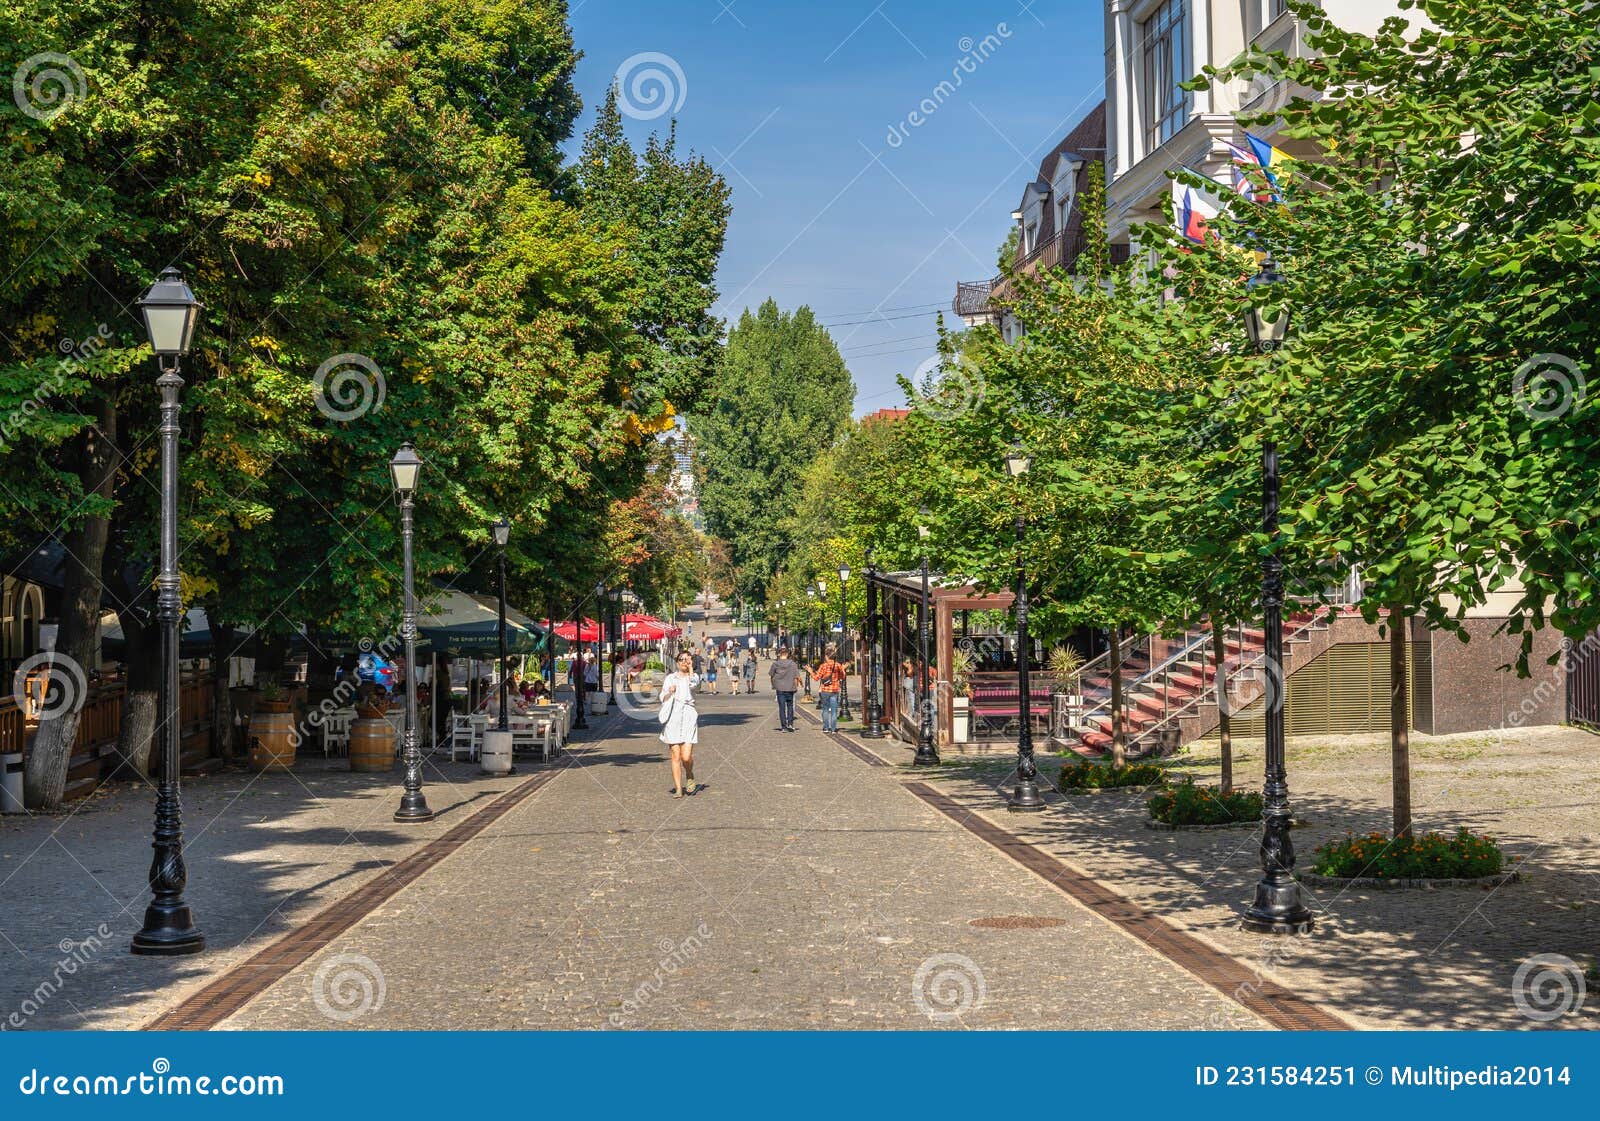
(570, 631)
(646, 628)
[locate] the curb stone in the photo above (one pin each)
(1498, 880)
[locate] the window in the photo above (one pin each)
(1166, 65)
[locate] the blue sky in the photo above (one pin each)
(795, 102)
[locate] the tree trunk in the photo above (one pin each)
(1119, 735)
(1399, 725)
(142, 674)
(78, 637)
(1219, 654)
(222, 648)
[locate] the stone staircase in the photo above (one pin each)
(1169, 689)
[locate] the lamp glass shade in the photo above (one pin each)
(1267, 326)
(822, 587)
(502, 532)
(1018, 462)
(844, 574)
(170, 315)
(404, 469)
(600, 591)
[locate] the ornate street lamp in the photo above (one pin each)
(1268, 327)
(576, 661)
(170, 315)
(602, 599)
(927, 753)
(503, 749)
(404, 468)
(871, 695)
(616, 641)
(1277, 908)
(844, 630)
(1025, 798)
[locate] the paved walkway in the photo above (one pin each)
(802, 889)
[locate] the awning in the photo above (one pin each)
(458, 623)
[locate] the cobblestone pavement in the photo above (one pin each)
(803, 889)
(1412, 958)
(264, 852)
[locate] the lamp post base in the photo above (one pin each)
(169, 931)
(1277, 910)
(413, 809)
(927, 756)
(1025, 798)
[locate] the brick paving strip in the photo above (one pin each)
(1233, 979)
(244, 982)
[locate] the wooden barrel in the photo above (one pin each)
(272, 741)
(371, 744)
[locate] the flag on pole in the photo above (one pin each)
(1257, 153)
(1193, 211)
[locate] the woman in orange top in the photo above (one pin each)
(830, 676)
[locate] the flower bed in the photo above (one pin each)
(1086, 777)
(1188, 804)
(1463, 855)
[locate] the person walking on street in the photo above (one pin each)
(680, 726)
(784, 673)
(830, 679)
(699, 667)
(750, 672)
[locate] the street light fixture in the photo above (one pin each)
(404, 469)
(170, 315)
(616, 641)
(844, 630)
(1267, 331)
(1025, 797)
(503, 748)
(927, 753)
(871, 699)
(602, 596)
(1277, 908)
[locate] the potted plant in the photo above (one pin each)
(1065, 662)
(270, 697)
(960, 696)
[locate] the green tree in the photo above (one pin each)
(783, 394)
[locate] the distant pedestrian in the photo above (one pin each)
(680, 725)
(830, 681)
(711, 671)
(784, 674)
(750, 672)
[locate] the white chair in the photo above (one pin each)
(463, 738)
(336, 731)
(529, 732)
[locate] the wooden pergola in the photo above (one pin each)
(897, 597)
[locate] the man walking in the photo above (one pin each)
(785, 677)
(830, 679)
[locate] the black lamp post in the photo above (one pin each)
(1277, 908)
(602, 603)
(844, 631)
(616, 641)
(170, 315)
(871, 702)
(927, 753)
(502, 536)
(811, 629)
(1025, 798)
(577, 673)
(404, 469)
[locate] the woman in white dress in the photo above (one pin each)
(680, 725)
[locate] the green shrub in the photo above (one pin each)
(1106, 776)
(1431, 856)
(1188, 804)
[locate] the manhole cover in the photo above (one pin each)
(1017, 922)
